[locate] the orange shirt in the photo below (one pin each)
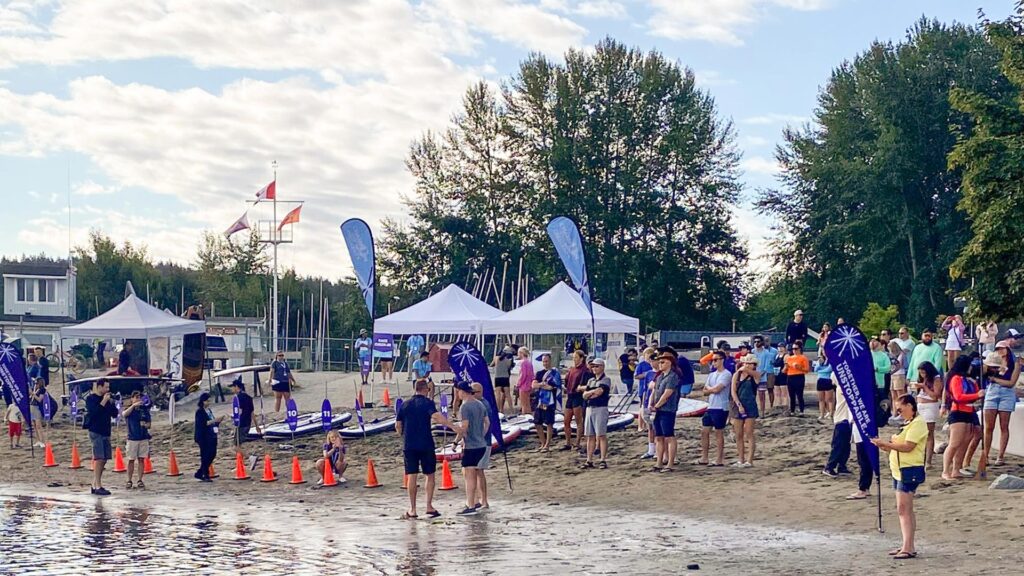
(797, 365)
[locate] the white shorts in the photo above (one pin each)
(929, 411)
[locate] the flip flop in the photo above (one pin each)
(407, 516)
(895, 551)
(715, 465)
(433, 513)
(859, 497)
(905, 556)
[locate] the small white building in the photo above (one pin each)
(38, 298)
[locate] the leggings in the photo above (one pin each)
(864, 481)
(207, 452)
(795, 385)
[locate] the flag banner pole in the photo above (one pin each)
(847, 351)
(565, 235)
(469, 365)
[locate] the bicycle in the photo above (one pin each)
(72, 361)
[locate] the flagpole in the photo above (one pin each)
(277, 240)
(878, 479)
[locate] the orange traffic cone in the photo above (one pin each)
(119, 461)
(173, 468)
(386, 401)
(240, 472)
(147, 466)
(76, 460)
(371, 476)
(48, 461)
(213, 473)
(296, 472)
(268, 470)
(446, 477)
(329, 479)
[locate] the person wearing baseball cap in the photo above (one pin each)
(472, 429)
(744, 410)
(595, 421)
(245, 412)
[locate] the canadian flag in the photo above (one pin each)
(290, 218)
(268, 192)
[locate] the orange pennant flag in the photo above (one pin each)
(290, 218)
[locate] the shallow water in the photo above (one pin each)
(59, 533)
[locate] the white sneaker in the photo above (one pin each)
(738, 464)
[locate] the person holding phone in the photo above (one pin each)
(906, 463)
(138, 420)
(99, 410)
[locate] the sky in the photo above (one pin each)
(155, 120)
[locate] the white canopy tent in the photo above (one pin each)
(450, 311)
(560, 310)
(134, 318)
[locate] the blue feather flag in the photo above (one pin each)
(848, 353)
(326, 415)
(469, 365)
(359, 240)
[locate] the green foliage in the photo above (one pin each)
(772, 307)
(620, 140)
(991, 155)
(875, 319)
(867, 198)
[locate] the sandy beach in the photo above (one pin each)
(961, 524)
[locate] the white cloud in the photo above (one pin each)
(341, 148)
(712, 78)
(717, 21)
(755, 230)
(754, 141)
(90, 188)
(760, 165)
(601, 9)
(769, 119)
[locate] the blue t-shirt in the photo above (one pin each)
(134, 421)
(415, 418)
(415, 344)
(764, 361)
(281, 371)
(422, 368)
(363, 346)
(824, 370)
(644, 375)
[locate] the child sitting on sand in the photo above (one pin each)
(14, 420)
(334, 452)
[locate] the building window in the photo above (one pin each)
(26, 290)
(47, 291)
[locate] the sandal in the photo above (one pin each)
(667, 469)
(587, 464)
(407, 516)
(128, 485)
(433, 513)
(905, 556)
(863, 497)
(140, 485)
(895, 551)
(700, 463)
(603, 465)
(715, 464)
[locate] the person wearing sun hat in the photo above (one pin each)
(744, 409)
(1003, 370)
(664, 404)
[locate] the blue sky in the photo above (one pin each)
(162, 118)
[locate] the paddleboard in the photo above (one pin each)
(525, 422)
(372, 427)
(308, 424)
(687, 407)
(451, 452)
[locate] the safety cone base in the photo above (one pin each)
(446, 477)
(173, 465)
(240, 472)
(296, 472)
(371, 476)
(268, 470)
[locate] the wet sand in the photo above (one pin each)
(962, 524)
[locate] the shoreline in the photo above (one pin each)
(783, 491)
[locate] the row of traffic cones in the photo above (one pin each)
(240, 469)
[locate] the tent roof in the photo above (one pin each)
(134, 318)
(450, 311)
(560, 310)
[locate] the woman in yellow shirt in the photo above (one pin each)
(906, 462)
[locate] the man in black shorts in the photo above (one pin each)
(413, 424)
